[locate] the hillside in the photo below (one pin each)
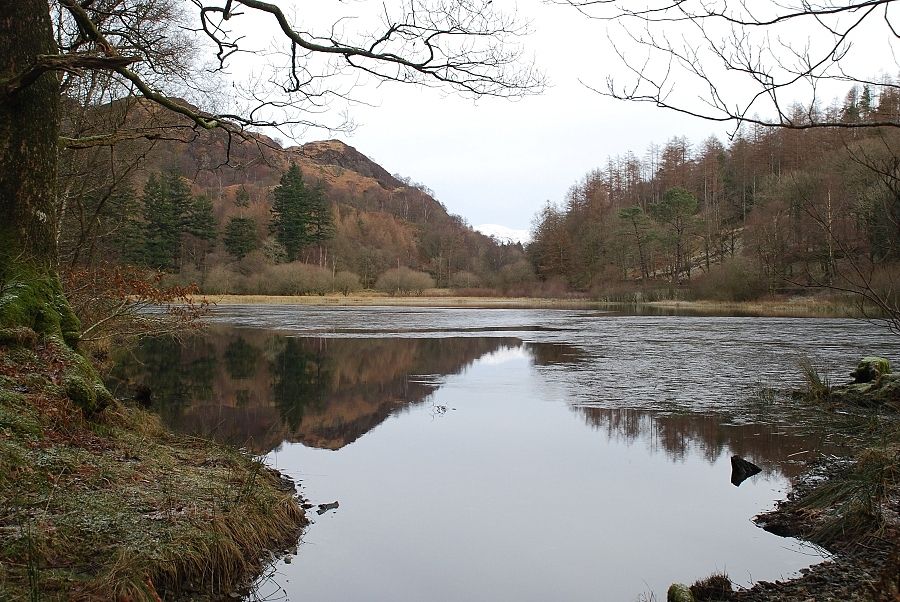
(380, 221)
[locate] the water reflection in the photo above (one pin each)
(257, 389)
(776, 447)
(487, 451)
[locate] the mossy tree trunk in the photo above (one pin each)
(30, 293)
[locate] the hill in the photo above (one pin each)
(381, 221)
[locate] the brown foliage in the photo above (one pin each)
(115, 302)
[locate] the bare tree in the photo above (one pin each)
(751, 62)
(137, 49)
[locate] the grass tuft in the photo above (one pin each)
(818, 389)
(715, 587)
(852, 505)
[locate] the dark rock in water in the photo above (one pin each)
(741, 470)
(323, 508)
(870, 369)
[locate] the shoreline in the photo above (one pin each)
(113, 506)
(798, 307)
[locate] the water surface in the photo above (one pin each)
(511, 454)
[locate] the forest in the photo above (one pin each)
(775, 211)
(244, 215)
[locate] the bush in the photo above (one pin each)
(735, 279)
(346, 282)
(464, 279)
(517, 277)
(404, 281)
(294, 278)
(221, 281)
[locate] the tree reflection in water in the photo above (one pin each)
(258, 389)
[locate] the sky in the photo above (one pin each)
(497, 161)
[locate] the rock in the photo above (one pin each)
(883, 391)
(323, 508)
(741, 470)
(679, 592)
(870, 369)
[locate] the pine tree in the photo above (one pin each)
(301, 215)
(242, 197)
(162, 224)
(240, 236)
(288, 215)
(170, 213)
(199, 220)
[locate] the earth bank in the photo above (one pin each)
(100, 502)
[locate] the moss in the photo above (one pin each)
(870, 369)
(18, 336)
(33, 298)
(15, 417)
(82, 394)
(679, 592)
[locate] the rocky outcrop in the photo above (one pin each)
(874, 385)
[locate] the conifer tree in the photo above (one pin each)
(170, 212)
(240, 236)
(301, 215)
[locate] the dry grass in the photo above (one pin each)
(117, 508)
(446, 298)
(431, 298)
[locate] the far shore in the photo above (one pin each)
(794, 307)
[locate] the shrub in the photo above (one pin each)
(464, 279)
(294, 278)
(346, 282)
(220, 281)
(404, 281)
(735, 279)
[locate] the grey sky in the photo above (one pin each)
(498, 161)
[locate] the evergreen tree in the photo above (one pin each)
(320, 222)
(170, 215)
(676, 211)
(288, 212)
(242, 197)
(199, 220)
(240, 236)
(301, 215)
(162, 221)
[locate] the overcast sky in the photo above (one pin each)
(498, 161)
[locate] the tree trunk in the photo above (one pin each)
(30, 293)
(29, 135)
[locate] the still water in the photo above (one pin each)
(511, 454)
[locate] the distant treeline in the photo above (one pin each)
(778, 209)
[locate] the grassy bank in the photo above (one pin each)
(850, 506)
(117, 508)
(800, 307)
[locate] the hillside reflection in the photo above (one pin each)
(776, 447)
(257, 389)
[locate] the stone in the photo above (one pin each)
(870, 369)
(741, 470)
(679, 592)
